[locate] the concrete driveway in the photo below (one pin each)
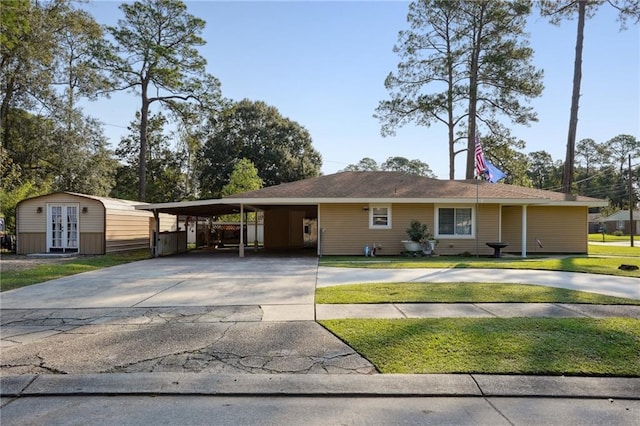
(188, 280)
(190, 313)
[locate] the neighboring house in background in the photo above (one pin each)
(620, 221)
(66, 222)
(596, 223)
(351, 210)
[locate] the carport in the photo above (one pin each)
(286, 226)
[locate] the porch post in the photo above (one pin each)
(241, 248)
(524, 231)
(500, 222)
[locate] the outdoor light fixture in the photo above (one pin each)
(84, 210)
(365, 209)
(39, 210)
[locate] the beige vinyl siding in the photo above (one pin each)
(559, 229)
(92, 242)
(512, 228)
(168, 222)
(32, 226)
(30, 220)
(32, 242)
(487, 222)
(108, 224)
(346, 227)
(127, 230)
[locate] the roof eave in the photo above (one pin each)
(196, 203)
(386, 200)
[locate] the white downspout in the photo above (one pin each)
(524, 231)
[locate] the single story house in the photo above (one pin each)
(596, 223)
(350, 210)
(621, 221)
(67, 222)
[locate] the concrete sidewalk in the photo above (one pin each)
(474, 310)
(603, 284)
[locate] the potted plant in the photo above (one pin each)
(418, 234)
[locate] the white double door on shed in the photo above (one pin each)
(62, 227)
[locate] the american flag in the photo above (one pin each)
(481, 167)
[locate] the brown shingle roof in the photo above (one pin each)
(390, 185)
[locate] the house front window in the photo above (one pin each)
(455, 222)
(380, 216)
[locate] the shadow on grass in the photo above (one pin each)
(553, 346)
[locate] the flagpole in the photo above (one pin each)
(477, 217)
(476, 174)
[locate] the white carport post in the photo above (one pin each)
(524, 230)
(241, 248)
(255, 229)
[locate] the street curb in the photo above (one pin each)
(321, 385)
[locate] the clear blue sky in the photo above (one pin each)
(323, 65)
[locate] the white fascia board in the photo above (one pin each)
(602, 203)
(342, 200)
(196, 203)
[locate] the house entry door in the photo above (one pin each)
(62, 228)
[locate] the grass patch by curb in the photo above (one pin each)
(11, 280)
(460, 293)
(569, 346)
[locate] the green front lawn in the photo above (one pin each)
(460, 293)
(608, 238)
(569, 346)
(601, 260)
(15, 279)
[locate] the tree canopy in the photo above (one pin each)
(396, 164)
(244, 178)
(155, 53)
(47, 52)
(462, 63)
(280, 148)
(601, 170)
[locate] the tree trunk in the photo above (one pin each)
(142, 159)
(568, 171)
(452, 127)
(473, 103)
